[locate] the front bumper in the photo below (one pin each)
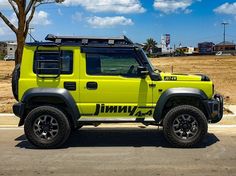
(216, 108)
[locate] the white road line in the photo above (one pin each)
(222, 126)
(6, 115)
(11, 128)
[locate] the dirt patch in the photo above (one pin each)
(6, 97)
(221, 69)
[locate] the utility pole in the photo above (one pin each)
(224, 34)
(30, 33)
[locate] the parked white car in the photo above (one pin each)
(9, 57)
(221, 53)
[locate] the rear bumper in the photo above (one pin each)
(18, 110)
(216, 108)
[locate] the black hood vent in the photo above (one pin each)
(204, 77)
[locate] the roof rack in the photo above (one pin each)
(123, 40)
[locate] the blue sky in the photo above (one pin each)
(188, 21)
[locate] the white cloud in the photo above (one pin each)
(117, 6)
(13, 19)
(41, 18)
(2, 32)
(188, 11)
(106, 22)
(227, 8)
(5, 30)
(173, 6)
(4, 4)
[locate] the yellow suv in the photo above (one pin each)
(68, 82)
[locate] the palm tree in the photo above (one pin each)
(150, 45)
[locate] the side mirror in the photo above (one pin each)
(142, 72)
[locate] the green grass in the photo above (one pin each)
(1, 56)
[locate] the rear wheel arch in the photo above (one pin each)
(180, 96)
(59, 98)
(15, 81)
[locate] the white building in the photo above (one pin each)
(165, 44)
(11, 48)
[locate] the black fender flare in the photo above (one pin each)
(178, 92)
(15, 81)
(58, 93)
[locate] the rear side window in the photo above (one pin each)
(112, 64)
(50, 62)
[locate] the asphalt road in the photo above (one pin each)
(119, 151)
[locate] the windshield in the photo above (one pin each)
(149, 62)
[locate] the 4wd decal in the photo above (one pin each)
(102, 108)
(170, 78)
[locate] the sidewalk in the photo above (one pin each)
(8, 120)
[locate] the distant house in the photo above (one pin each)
(11, 48)
(206, 48)
(225, 46)
(187, 50)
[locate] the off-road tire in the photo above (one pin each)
(63, 123)
(15, 80)
(176, 112)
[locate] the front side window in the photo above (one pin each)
(112, 64)
(53, 62)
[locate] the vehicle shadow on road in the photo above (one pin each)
(107, 137)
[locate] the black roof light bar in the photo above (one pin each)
(123, 40)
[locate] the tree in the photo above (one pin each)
(24, 11)
(150, 45)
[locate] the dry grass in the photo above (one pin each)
(222, 70)
(6, 97)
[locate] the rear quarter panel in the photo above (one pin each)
(28, 79)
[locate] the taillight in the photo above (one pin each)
(213, 89)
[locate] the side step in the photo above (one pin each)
(98, 121)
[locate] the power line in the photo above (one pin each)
(30, 33)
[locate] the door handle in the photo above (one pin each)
(152, 85)
(92, 85)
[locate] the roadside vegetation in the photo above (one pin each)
(150, 47)
(1, 56)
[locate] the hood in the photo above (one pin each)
(183, 77)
